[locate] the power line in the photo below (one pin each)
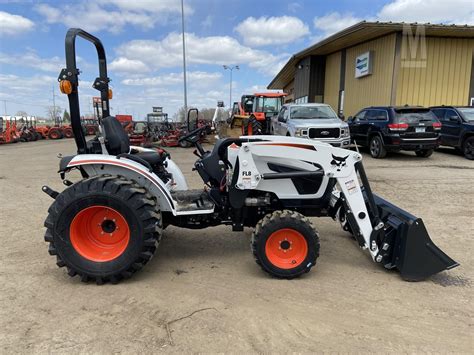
(23, 103)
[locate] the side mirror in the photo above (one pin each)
(454, 118)
(350, 119)
(281, 119)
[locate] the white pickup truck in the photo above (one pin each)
(314, 121)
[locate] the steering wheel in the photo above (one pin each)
(193, 136)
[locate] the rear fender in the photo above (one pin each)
(373, 133)
(98, 164)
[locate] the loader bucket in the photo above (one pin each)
(412, 252)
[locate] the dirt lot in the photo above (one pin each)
(204, 293)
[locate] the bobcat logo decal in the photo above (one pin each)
(339, 162)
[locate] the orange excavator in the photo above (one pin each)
(254, 112)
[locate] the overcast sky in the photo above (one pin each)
(143, 44)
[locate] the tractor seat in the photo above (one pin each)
(153, 158)
(116, 139)
(118, 143)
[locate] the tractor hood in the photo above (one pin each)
(317, 122)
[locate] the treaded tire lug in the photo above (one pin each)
(136, 203)
(284, 219)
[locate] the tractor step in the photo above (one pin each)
(50, 192)
(192, 200)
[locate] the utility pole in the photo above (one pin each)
(184, 60)
(54, 106)
(230, 68)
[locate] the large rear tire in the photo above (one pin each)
(103, 228)
(252, 127)
(68, 133)
(55, 134)
(285, 244)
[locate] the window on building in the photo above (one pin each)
(302, 100)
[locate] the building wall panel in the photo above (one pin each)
(331, 81)
(374, 89)
(302, 75)
(290, 90)
(441, 76)
(317, 77)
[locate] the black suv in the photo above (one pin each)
(458, 128)
(387, 128)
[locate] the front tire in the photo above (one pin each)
(468, 148)
(377, 149)
(285, 244)
(184, 144)
(424, 153)
(103, 228)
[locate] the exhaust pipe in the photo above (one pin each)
(407, 246)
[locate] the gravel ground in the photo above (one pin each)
(203, 291)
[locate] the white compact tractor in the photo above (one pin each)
(108, 225)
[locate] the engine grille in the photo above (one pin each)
(324, 132)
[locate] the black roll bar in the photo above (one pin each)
(71, 73)
(188, 119)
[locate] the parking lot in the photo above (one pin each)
(203, 291)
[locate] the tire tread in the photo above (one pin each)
(146, 209)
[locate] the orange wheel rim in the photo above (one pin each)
(286, 248)
(99, 233)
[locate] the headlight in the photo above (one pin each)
(345, 132)
(299, 132)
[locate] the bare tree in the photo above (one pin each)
(181, 115)
(53, 112)
(21, 113)
(207, 114)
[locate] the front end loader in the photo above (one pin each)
(107, 225)
(252, 115)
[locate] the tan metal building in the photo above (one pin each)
(375, 63)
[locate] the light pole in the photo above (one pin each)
(230, 68)
(184, 61)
